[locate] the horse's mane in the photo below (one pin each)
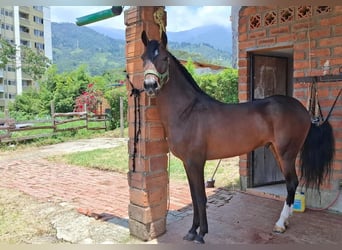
(188, 76)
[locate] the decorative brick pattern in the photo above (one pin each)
(270, 18)
(322, 10)
(287, 15)
(304, 12)
(265, 17)
(255, 22)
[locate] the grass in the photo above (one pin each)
(21, 219)
(112, 159)
(116, 159)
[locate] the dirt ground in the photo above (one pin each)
(24, 219)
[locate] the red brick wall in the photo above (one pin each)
(148, 184)
(315, 34)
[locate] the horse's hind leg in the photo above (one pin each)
(288, 168)
(286, 161)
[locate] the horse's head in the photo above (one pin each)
(156, 64)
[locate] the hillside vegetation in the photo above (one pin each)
(73, 46)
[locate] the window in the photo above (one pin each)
(10, 69)
(38, 20)
(7, 26)
(38, 33)
(24, 29)
(39, 46)
(24, 15)
(25, 43)
(11, 82)
(26, 83)
(5, 12)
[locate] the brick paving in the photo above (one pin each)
(234, 217)
(89, 190)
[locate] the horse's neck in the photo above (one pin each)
(176, 97)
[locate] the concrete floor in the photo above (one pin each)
(236, 217)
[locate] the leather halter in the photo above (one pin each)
(163, 77)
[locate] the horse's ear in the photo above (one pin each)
(144, 38)
(164, 39)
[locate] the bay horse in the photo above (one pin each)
(200, 128)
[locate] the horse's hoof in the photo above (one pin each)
(199, 239)
(278, 229)
(190, 236)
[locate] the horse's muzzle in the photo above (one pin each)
(151, 86)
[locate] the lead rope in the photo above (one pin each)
(137, 121)
(158, 17)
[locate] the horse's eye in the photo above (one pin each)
(165, 58)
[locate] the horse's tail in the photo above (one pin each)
(317, 154)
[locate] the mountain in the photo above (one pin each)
(73, 45)
(110, 32)
(219, 37)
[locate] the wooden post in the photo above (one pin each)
(7, 116)
(121, 118)
(52, 107)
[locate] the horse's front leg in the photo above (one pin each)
(191, 235)
(199, 200)
(202, 211)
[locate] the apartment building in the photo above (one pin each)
(22, 26)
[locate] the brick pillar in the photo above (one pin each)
(148, 185)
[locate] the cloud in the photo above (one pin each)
(178, 17)
(187, 17)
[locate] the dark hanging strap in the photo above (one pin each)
(137, 121)
(333, 106)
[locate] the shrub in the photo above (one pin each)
(87, 100)
(113, 98)
(222, 86)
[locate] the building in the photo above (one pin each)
(22, 26)
(287, 50)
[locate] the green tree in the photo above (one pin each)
(68, 86)
(34, 63)
(51, 78)
(7, 53)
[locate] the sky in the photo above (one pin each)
(179, 18)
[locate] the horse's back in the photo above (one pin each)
(246, 126)
(286, 107)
